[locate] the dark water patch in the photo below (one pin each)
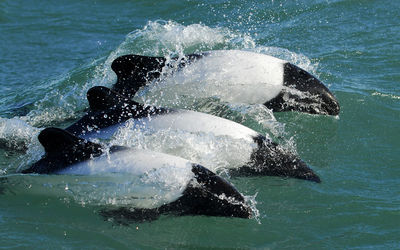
(18, 109)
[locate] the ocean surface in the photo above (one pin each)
(52, 52)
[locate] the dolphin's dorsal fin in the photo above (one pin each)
(133, 71)
(109, 108)
(102, 98)
(62, 149)
(57, 140)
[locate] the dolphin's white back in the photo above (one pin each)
(135, 162)
(205, 139)
(196, 122)
(231, 75)
(183, 120)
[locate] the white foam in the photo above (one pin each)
(166, 38)
(298, 59)
(16, 134)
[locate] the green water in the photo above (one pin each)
(52, 52)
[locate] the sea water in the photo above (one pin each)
(52, 52)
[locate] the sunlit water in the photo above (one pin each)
(52, 53)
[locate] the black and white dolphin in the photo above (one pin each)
(165, 184)
(231, 75)
(109, 111)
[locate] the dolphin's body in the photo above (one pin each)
(110, 111)
(230, 75)
(172, 184)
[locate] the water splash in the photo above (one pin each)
(251, 200)
(166, 38)
(16, 134)
(298, 59)
(64, 98)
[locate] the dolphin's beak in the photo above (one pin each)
(305, 93)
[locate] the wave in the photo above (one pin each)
(391, 96)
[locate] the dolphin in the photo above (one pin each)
(186, 188)
(110, 110)
(231, 75)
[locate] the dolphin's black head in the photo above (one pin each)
(303, 92)
(210, 195)
(270, 159)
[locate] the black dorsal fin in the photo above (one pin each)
(62, 149)
(55, 139)
(133, 71)
(108, 108)
(102, 98)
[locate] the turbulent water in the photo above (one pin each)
(51, 53)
